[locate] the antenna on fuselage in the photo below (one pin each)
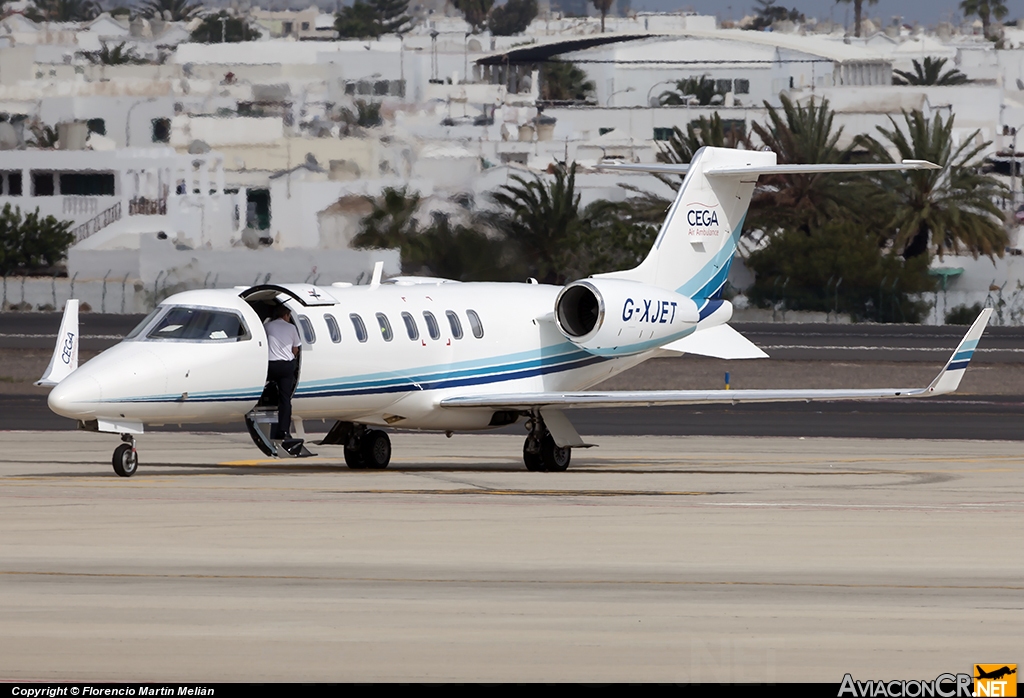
(378, 272)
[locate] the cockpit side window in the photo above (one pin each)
(145, 322)
(200, 325)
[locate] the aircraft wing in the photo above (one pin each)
(947, 381)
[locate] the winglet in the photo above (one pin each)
(65, 352)
(949, 377)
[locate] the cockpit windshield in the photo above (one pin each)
(199, 325)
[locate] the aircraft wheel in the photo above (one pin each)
(532, 460)
(354, 458)
(125, 460)
(555, 458)
(375, 450)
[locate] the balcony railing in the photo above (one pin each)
(97, 223)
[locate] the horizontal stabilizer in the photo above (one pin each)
(821, 169)
(722, 342)
(757, 170)
(653, 168)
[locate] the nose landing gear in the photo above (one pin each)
(126, 458)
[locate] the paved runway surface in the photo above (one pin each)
(969, 417)
(652, 559)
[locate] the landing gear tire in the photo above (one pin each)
(354, 459)
(532, 460)
(375, 448)
(125, 460)
(555, 458)
(545, 457)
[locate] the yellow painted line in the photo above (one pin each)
(452, 580)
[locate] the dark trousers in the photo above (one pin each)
(282, 373)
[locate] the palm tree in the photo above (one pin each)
(858, 12)
(541, 218)
(475, 12)
(930, 73)
(180, 10)
(985, 11)
(950, 209)
(117, 55)
(391, 221)
(564, 82)
(603, 6)
(703, 88)
(681, 147)
(68, 10)
(800, 135)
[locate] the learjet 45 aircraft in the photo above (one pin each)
(436, 355)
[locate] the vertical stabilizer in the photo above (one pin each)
(696, 243)
(65, 353)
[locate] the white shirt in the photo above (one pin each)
(282, 337)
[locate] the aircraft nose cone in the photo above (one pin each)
(75, 396)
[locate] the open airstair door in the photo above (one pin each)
(306, 294)
(261, 419)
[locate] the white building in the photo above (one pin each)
(113, 197)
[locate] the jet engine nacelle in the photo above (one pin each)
(614, 317)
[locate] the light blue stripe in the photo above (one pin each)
(963, 355)
(969, 344)
(642, 346)
(712, 276)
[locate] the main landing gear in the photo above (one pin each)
(126, 458)
(365, 449)
(540, 452)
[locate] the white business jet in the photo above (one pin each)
(431, 354)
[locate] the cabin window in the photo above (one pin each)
(410, 326)
(432, 328)
(475, 324)
(385, 327)
(742, 86)
(453, 321)
(360, 328)
(199, 325)
(98, 126)
(308, 335)
(332, 328)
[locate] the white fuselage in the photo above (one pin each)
(398, 381)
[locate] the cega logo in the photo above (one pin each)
(69, 345)
(703, 220)
(702, 217)
(995, 680)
